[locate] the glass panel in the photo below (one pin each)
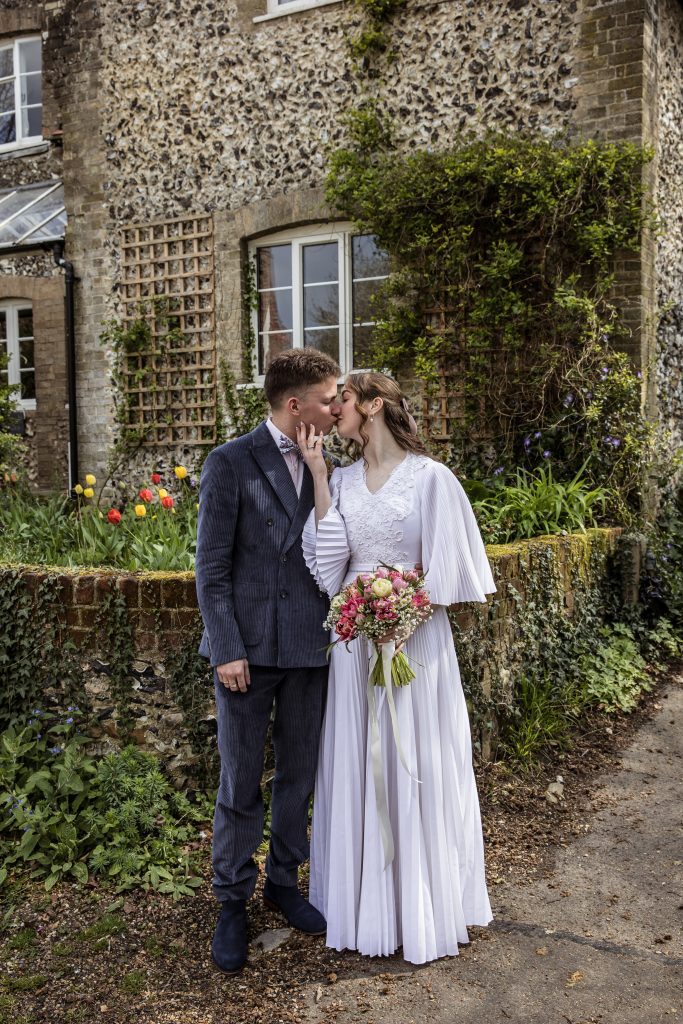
(31, 121)
(362, 343)
(31, 89)
(274, 266)
(3, 325)
(275, 311)
(7, 96)
(364, 309)
(321, 305)
(368, 259)
(321, 262)
(7, 128)
(325, 340)
(25, 317)
(26, 354)
(29, 56)
(270, 345)
(28, 384)
(6, 62)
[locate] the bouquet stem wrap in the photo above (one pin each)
(382, 659)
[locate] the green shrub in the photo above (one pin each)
(64, 813)
(614, 675)
(540, 720)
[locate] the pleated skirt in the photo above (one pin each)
(435, 887)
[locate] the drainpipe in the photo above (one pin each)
(69, 278)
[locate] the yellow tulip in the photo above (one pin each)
(90, 479)
(88, 492)
(78, 489)
(180, 472)
(140, 510)
(162, 493)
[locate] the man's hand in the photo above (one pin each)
(234, 675)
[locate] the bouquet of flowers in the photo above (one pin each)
(386, 607)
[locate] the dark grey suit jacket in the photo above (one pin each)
(257, 597)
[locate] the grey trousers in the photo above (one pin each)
(243, 718)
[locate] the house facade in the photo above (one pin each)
(157, 153)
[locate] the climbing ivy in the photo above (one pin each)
(116, 642)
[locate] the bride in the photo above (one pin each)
(395, 506)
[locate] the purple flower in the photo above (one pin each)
(589, 395)
(615, 442)
(568, 400)
(69, 708)
(527, 444)
(639, 375)
(55, 750)
(537, 435)
(499, 470)
(546, 454)
(69, 721)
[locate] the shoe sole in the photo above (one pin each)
(273, 906)
(236, 970)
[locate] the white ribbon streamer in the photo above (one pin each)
(386, 651)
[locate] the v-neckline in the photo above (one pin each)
(373, 494)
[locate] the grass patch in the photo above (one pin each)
(110, 924)
(23, 940)
(24, 983)
(153, 946)
(62, 949)
(133, 983)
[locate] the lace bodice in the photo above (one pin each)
(384, 526)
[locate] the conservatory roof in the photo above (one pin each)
(31, 215)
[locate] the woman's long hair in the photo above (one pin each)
(369, 385)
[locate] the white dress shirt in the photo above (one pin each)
(295, 465)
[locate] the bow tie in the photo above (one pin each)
(287, 446)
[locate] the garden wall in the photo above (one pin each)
(122, 647)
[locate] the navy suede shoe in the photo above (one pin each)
(229, 946)
(298, 911)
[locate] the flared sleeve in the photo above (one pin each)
(326, 550)
(453, 553)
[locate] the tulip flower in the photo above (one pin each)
(146, 494)
(88, 492)
(162, 493)
(114, 516)
(156, 478)
(180, 472)
(78, 489)
(167, 501)
(90, 479)
(140, 510)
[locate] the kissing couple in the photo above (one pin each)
(279, 537)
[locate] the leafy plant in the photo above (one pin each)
(65, 813)
(537, 504)
(539, 721)
(613, 676)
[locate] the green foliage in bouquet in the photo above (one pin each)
(65, 814)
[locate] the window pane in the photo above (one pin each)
(7, 128)
(7, 97)
(6, 62)
(321, 262)
(325, 340)
(3, 324)
(321, 305)
(28, 384)
(31, 89)
(25, 317)
(270, 345)
(26, 354)
(364, 308)
(362, 343)
(274, 266)
(368, 259)
(32, 121)
(29, 56)
(275, 311)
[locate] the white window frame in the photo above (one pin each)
(277, 10)
(21, 140)
(11, 309)
(342, 233)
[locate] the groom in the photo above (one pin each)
(263, 616)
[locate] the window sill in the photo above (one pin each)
(295, 8)
(25, 149)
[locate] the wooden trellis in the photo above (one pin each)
(168, 279)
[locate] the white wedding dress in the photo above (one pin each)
(435, 886)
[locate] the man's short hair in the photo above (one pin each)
(294, 371)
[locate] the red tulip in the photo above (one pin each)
(167, 502)
(146, 494)
(114, 516)
(156, 478)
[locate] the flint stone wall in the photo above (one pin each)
(162, 610)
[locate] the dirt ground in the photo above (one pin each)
(586, 892)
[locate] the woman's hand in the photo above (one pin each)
(311, 446)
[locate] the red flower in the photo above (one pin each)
(146, 494)
(114, 516)
(167, 502)
(156, 478)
